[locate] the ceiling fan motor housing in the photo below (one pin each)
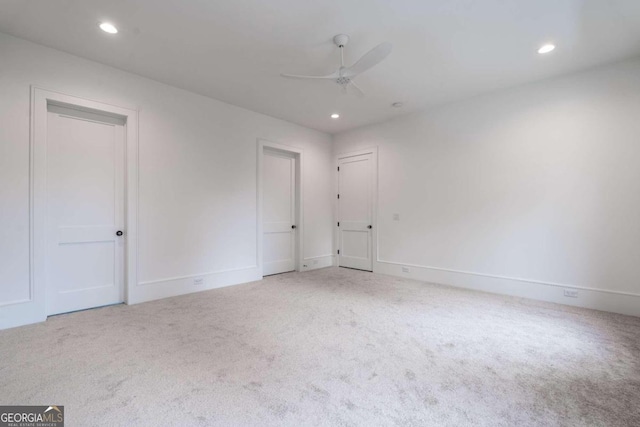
(341, 40)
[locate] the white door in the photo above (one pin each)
(355, 212)
(279, 207)
(85, 210)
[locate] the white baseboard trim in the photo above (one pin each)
(24, 313)
(598, 299)
(21, 313)
(315, 262)
(171, 287)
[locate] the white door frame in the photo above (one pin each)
(299, 156)
(40, 99)
(374, 208)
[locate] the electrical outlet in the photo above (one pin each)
(405, 270)
(198, 281)
(571, 293)
(396, 217)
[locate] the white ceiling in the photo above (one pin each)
(234, 50)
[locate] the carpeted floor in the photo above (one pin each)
(330, 347)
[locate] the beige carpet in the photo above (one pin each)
(330, 347)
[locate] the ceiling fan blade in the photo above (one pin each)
(357, 90)
(296, 76)
(369, 59)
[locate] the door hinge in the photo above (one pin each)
(338, 168)
(338, 251)
(338, 223)
(338, 196)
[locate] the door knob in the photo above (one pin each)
(119, 233)
(293, 227)
(369, 227)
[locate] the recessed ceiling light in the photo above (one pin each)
(546, 48)
(108, 28)
(335, 116)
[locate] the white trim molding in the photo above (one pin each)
(174, 286)
(33, 309)
(316, 262)
(598, 299)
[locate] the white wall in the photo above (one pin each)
(197, 166)
(539, 183)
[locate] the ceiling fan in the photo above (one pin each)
(344, 75)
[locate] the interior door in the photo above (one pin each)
(279, 218)
(355, 212)
(85, 210)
